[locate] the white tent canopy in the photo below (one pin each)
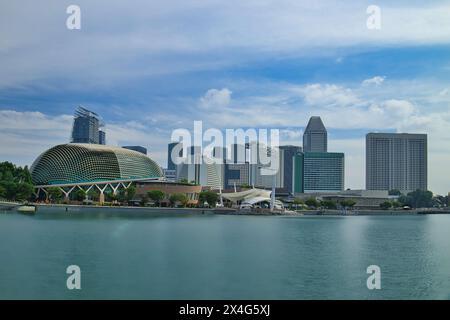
(247, 195)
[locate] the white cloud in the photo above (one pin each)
(119, 41)
(328, 95)
(377, 80)
(215, 98)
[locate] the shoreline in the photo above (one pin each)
(74, 208)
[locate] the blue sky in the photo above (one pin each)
(149, 67)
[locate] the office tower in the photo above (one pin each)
(396, 161)
(170, 164)
(237, 167)
(136, 148)
(102, 137)
(318, 172)
(286, 168)
(315, 136)
(86, 126)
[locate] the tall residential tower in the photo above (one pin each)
(396, 161)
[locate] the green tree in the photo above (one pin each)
(347, 203)
(178, 198)
(312, 202)
(24, 190)
(130, 192)
(80, 195)
(395, 192)
(55, 194)
(417, 199)
(328, 204)
(144, 199)
(385, 205)
(208, 196)
(297, 202)
(94, 194)
(396, 204)
(157, 196)
(2, 192)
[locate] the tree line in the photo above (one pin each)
(15, 182)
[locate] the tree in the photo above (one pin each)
(208, 196)
(80, 195)
(156, 196)
(417, 199)
(297, 202)
(130, 192)
(385, 205)
(347, 203)
(328, 204)
(94, 194)
(178, 198)
(15, 182)
(24, 191)
(2, 192)
(54, 193)
(396, 204)
(395, 192)
(312, 202)
(144, 199)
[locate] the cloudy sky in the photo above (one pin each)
(149, 67)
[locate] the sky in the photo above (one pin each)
(149, 67)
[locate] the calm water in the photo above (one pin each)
(223, 257)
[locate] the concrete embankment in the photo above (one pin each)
(61, 208)
(88, 209)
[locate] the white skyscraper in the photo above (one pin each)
(396, 161)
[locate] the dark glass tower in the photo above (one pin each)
(86, 126)
(315, 136)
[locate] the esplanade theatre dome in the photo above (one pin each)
(77, 163)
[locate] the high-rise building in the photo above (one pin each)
(318, 172)
(102, 137)
(237, 167)
(396, 161)
(200, 172)
(170, 164)
(287, 154)
(86, 126)
(315, 136)
(136, 148)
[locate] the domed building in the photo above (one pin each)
(78, 164)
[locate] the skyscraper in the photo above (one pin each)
(170, 164)
(86, 126)
(237, 167)
(287, 154)
(396, 161)
(315, 136)
(102, 137)
(318, 172)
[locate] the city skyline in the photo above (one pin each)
(158, 77)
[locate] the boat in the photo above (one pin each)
(26, 209)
